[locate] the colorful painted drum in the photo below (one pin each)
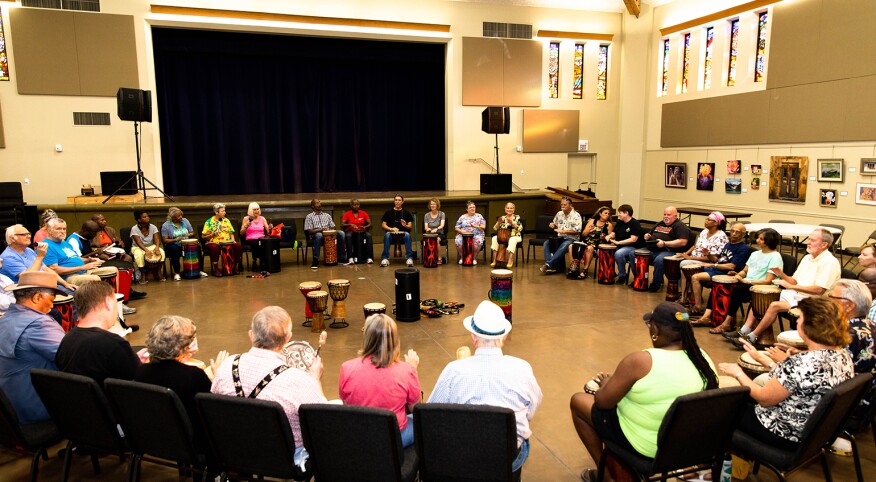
(125, 277)
(338, 290)
(318, 301)
(640, 269)
(503, 235)
(605, 264)
(722, 288)
(227, 255)
(108, 275)
(304, 288)
(191, 265)
(672, 269)
(750, 366)
(500, 290)
(64, 304)
(431, 253)
(330, 247)
(688, 271)
(468, 249)
(299, 354)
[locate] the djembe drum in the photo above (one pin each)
(500, 290)
(750, 366)
(330, 247)
(373, 309)
(226, 249)
(761, 298)
(64, 304)
(191, 266)
(672, 269)
(108, 275)
(468, 249)
(605, 264)
(722, 288)
(299, 354)
(688, 271)
(338, 290)
(503, 235)
(430, 251)
(125, 277)
(358, 242)
(318, 302)
(304, 288)
(397, 240)
(640, 269)
(578, 250)
(791, 338)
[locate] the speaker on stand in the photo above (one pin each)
(496, 120)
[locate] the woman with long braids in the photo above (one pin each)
(629, 405)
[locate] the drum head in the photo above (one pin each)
(765, 289)
(336, 282)
(790, 337)
(724, 279)
(330, 232)
(62, 299)
(189, 241)
(196, 363)
(299, 354)
(695, 265)
(642, 252)
(151, 257)
(310, 285)
(317, 294)
(746, 359)
(430, 236)
(591, 386)
(375, 306)
(607, 246)
(501, 273)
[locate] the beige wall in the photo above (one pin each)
(35, 124)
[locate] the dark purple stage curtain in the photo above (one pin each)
(247, 113)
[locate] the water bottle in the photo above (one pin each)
(727, 468)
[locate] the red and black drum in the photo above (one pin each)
(672, 269)
(226, 250)
(605, 264)
(689, 270)
(304, 288)
(468, 249)
(640, 269)
(722, 288)
(430, 251)
(64, 304)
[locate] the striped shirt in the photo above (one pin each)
(319, 220)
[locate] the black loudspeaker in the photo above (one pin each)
(496, 120)
(134, 105)
(269, 249)
(407, 294)
(495, 183)
(112, 180)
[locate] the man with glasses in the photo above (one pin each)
(18, 257)
(731, 259)
(567, 224)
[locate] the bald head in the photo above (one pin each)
(670, 214)
(868, 276)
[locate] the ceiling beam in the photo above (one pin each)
(633, 7)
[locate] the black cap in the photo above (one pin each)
(667, 313)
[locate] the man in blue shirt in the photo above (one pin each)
(732, 258)
(19, 257)
(63, 259)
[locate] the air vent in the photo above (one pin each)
(91, 119)
(83, 5)
(507, 30)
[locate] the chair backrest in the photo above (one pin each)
(79, 408)
(847, 274)
(347, 442)
(543, 226)
(10, 427)
(450, 450)
(289, 231)
(522, 227)
(248, 436)
(789, 264)
(154, 420)
(686, 438)
(827, 420)
(125, 234)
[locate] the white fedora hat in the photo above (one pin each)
(488, 321)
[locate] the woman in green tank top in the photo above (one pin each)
(629, 405)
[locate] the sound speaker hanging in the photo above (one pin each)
(496, 120)
(134, 104)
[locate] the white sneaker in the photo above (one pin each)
(370, 261)
(841, 447)
(410, 262)
(204, 275)
(475, 261)
(351, 261)
(176, 277)
(384, 263)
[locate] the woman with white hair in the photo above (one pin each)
(254, 227)
(218, 230)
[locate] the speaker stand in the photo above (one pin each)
(141, 178)
(496, 147)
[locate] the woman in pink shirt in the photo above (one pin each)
(253, 227)
(379, 379)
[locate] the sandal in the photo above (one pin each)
(721, 329)
(589, 475)
(701, 324)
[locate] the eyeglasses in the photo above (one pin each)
(839, 298)
(21, 234)
(736, 231)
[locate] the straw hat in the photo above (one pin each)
(488, 321)
(36, 279)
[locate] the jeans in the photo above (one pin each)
(553, 261)
(624, 255)
(657, 261)
(317, 240)
(407, 435)
(521, 457)
(387, 242)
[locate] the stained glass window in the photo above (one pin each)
(602, 73)
(578, 85)
(665, 83)
(761, 47)
(707, 64)
(685, 69)
(4, 60)
(734, 50)
(554, 70)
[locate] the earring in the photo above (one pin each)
(653, 337)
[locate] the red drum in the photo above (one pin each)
(304, 288)
(468, 249)
(227, 255)
(502, 237)
(64, 304)
(126, 276)
(431, 253)
(640, 278)
(722, 288)
(672, 269)
(605, 264)
(688, 271)
(330, 247)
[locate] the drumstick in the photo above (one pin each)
(322, 338)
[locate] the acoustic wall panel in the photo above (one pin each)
(44, 55)
(793, 43)
(859, 109)
(739, 117)
(550, 130)
(684, 124)
(522, 73)
(499, 71)
(806, 113)
(107, 53)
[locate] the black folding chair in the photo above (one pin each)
(29, 438)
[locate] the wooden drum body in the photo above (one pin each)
(500, 290)
(304, 288)
(338, 290)
(398, 239)
(605, 264)
(502, 237)
(431, 253)
(467, 249)
(672, 269)
(751, 367)
(191, 266)
(722, 288)
(318, 302)
(761, 297)
(689, 271)
(330, 247)
(640, 269)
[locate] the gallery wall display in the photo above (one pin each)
(755, 183)
(827, 198)
(706, 176)
(756, 170)
(734, 166)
(733, 185)
(676, 175)
(868, 165)
(865, 194)
(788, 176)
(830, 170)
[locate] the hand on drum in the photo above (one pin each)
(731, 369)
(412, 358)
(790, 350)
(777, 354)
(220, 357)
(755, 354)
(94, 264)
(602, 377)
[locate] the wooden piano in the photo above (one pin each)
(585, 205)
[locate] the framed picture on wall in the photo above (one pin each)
(868, 165)
(676, 175)
(734, 166)
(830, 170)
(828, 198)
(755, 183)
(756, 170)
(706, 176)
(733, 185)
(865, 194)
(788, 177)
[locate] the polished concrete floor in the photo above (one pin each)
(568, 331)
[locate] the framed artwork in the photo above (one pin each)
(755, 183)
(676, 175)
(830, 170)
(865, 194)
(733, 185)
(756, 170)
(734, 166)
(788, 177)
(828, 198)
(868, 165)
(706, 176)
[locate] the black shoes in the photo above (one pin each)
(655, 287)
(314, 264)
(136, 295)
(621, 280)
